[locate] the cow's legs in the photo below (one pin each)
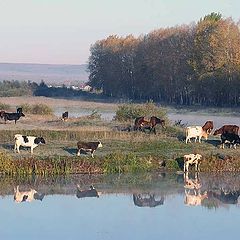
(16, 148)
(92, 153)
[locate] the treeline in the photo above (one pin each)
(197, 64)
(17, 88)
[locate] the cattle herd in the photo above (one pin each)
(228, 134)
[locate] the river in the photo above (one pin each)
(146, 206)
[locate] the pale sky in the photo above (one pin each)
(62, 31)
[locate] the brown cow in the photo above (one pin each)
(227, 129)
(141, 124)
(208, 127)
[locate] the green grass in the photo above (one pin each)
(122, 152)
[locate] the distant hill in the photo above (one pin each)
(49, 73)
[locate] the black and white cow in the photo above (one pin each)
(91, 192)
(231, 138)
(88, 147)
(12, 116)
(27, 141)
(65, 116)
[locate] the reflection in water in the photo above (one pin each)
(193, 195)
(147, 201)
(27, 196)
(154, 204)
(91, 192)
(148, 190)
(225, 197)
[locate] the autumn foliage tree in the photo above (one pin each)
(197, 64)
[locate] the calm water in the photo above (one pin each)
(160, 206)
(187, 118)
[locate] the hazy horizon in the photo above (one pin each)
(49, 73)
(62, 31)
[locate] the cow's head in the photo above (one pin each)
(216, 132)
(39, 140)
(99, 144)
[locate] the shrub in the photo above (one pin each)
(4, 106)
(42, 109)
(131, 111)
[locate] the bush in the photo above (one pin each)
(4, 106)
(42, 109)
(131, 111)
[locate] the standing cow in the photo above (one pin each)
(88, 147)
(227, 129)
(27, 141)
(195, 132)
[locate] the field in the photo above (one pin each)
(139, 150)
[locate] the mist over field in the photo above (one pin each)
(49, 73)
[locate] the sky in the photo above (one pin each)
(62, 31)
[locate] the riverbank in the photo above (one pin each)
(122, 151)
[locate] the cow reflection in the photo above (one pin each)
(27, 196)
(193, 195)
(226, 197)
(147, 201)
(91, 192)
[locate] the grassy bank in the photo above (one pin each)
(122, 152)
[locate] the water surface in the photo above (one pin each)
(159, 206)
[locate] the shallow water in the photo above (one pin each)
(188, 118)
(159, 206)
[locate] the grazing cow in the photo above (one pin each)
(227, 129)
(65, 116)
(88, 147)
(195, 132)
(208, 127)
(191, 159)
(141, 123)
(91, 192)
(148, 201)
(26, 196)
(231, 138)
(27, 141)
(12, 116)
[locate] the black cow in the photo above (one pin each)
(88, 147)
(231, 138)
(148, 201)
(91, 192)
(12, 116)
(65, 116)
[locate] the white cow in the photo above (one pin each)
(195, 132)
(26, 196)
(27, 141)
(191, 159)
